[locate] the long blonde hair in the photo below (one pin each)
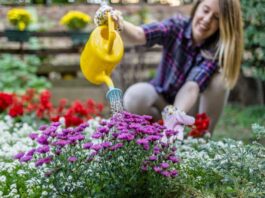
(230, 43)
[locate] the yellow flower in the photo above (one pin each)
(19, 17)
(75, 20)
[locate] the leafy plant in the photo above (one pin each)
(19, 75)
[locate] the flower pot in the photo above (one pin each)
(79, 38)
(18, 36)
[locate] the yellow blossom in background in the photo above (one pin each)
(75, 20)
(19, 17)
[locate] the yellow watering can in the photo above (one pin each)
(102, 52)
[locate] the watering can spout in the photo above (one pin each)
(106, 79)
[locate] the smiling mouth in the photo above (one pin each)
(203, 27)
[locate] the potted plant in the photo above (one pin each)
(20, 19)
(76, 21)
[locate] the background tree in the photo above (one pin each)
(254, 26)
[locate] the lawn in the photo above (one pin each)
(236, 122)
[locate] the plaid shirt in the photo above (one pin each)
(181, 61)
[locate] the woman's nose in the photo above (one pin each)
(207, 18)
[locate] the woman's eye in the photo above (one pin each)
(205, 10)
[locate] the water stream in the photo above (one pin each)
(116, 105)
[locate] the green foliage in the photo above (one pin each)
(15, 179)
(258, 131)
(122, 177)
(236, 122)
(254, 26)
(226, 168)
(19, 75)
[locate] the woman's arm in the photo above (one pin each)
(133, 34)
(187, 96)
(130, 32)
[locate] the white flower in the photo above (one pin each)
(29, 191)
(21, 172)
(14, 191)
(13, 186)
(14, 137)
(44, 193)
(2, 179)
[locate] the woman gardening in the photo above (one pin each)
(200, 63)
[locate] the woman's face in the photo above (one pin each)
(205, 21)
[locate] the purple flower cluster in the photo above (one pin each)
(127, 128)
(51, 140)
(120, 131)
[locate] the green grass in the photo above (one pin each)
(236, 122)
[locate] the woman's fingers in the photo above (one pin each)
(101, 17)
(117, 17)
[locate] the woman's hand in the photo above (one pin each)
(129, 32)
(176, 120)
(101, 17)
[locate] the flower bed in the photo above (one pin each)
(125, 155)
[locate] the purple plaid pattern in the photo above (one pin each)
(181, 61)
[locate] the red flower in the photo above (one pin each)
(5, 100)
(195, 133)
(161, 122)
(61, 106)
(16, 110)
(29, 95)
(55, 118)
(201, 125)
(42, 107)
(100, 107)
(71, 120)
(79, 108)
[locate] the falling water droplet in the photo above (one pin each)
(115, 99)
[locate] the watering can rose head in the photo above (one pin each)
(19, 17)
(75, 20)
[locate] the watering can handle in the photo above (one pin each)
(111, 33)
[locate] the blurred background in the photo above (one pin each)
(45, 54)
